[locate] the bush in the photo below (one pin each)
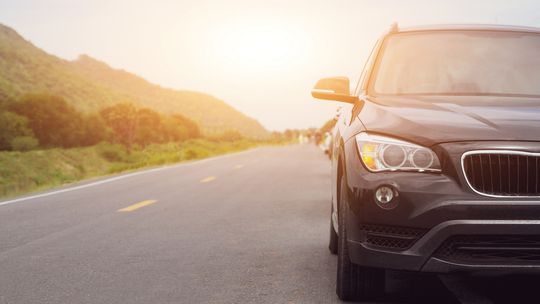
(56, 123)
(229, 135)
(113, 152)
(190, 154)
(24, 143)
(132, 125)
(181, 128)
(92, 130)
(53, 121)
(13, 126)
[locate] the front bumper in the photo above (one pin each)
(423, 254)
(431, 210)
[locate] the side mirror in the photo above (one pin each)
(335, 88)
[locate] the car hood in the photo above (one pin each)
(436, 119)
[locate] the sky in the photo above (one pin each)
(260, 56)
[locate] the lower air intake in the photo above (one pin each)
(491, 250)
(391, 237)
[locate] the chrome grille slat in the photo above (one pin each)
(536, 176)
(517, 174)
(470, 168)
(508, 177)
(527, 168)
(491, 173)
(483, 184)
(501, 173)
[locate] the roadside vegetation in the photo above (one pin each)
(45, 142)
(47, 121)
(22, 172)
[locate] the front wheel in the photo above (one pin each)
(354, 282)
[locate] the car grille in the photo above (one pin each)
(491, 250)
(391, 237)
(503, 173)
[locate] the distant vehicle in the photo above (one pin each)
(317, 138)
(326, 143)
(436, 168)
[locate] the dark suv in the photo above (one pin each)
(436, 165)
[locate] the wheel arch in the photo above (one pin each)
(341, 173)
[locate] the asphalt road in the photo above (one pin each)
(245, 228)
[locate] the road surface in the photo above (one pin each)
(250, 227)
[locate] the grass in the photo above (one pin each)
(24, 172)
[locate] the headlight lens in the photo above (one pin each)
(380, 153)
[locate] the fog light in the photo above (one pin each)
(384, 195)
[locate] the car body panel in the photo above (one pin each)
(453, 118)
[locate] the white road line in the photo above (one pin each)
(112, 179)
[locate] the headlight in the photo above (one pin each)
(380, 153)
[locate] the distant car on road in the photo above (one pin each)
(326, 143)
(436, 168)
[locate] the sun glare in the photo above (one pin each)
(260, 47)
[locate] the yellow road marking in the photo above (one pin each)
(137, 206)
(208, 179)
(238, 166)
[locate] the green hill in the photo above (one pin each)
(89, 85)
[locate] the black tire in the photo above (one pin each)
(354, 282)
(333, 244)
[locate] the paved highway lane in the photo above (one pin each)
(245, 228)
(249, 227)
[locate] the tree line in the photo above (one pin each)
(47, 121)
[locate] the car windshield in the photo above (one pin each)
(468, 62)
